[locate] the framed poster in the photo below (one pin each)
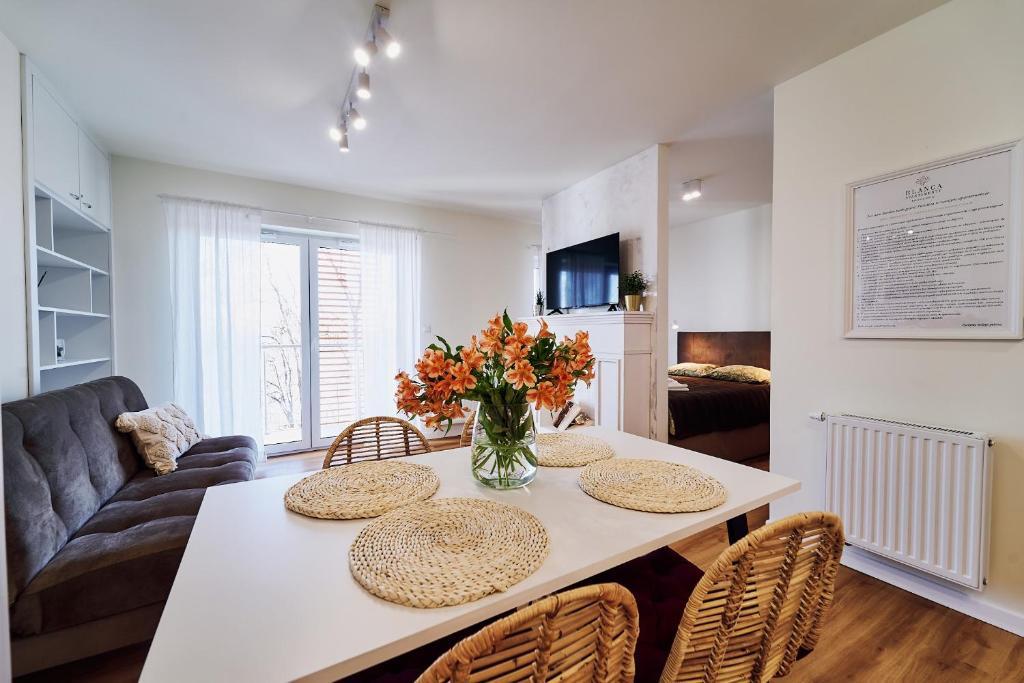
(934, 251)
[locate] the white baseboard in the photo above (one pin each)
(965, 601)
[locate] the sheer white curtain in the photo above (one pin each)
(215, 297)
(390, 312)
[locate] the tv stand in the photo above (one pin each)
(556, 311)
(613, 307)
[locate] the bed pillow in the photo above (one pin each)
(741, 373)
(160, 435)
(691, 369)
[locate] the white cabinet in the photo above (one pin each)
(55, 143)
(67, 163)
(94, 180)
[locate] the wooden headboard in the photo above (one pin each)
(725, 348)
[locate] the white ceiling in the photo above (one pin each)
(732, 154)
(493, 105)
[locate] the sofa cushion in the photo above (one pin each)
(220, 444)
(220, 460)
(102, 574)
(161, 435)
(63, 459)
(121, 515)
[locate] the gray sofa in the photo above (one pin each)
(94, 538)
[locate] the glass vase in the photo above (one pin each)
(504, 448)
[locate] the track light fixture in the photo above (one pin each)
(377, 37)
(365, 52)
(356, 119)
(692, 189)
(392, 48)
(363, 86)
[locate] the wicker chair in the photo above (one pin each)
(585, 634)
(466, 438)
(376, 438)
(760, 603)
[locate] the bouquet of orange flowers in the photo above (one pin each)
(505, 370)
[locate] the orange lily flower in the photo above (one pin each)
(435, 364)
(520, 375)
(542, 396)
(452, 410)
(471, 357)
(513, 352)
(494, 326)
(544, 332)
(441, 390)
(463, 379)
(589, 375)
(519, 331)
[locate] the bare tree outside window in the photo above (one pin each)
(281, 308)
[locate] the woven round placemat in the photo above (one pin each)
(651, 485)
(447, 551)
(361, 489)
(567, 449)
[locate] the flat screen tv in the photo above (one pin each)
(585, 274)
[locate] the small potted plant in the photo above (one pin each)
(633, 287)
(538, 308)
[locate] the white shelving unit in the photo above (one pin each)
(68, 242)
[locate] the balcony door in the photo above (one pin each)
(310, 339)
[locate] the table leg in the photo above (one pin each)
(737, 527)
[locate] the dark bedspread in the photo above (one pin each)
(713, 405)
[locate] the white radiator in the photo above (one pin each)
(914, 494)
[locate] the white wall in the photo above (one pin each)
(14, 340)
(631, 198)
(13, 344)
(948, 82)
(719, 274)
(479, 266)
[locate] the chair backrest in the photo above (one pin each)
(466, 438)
(376, 438)
(760, 603)
(585, 634)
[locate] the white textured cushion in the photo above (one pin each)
(160, 435)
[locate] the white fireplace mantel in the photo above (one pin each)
(622, 393)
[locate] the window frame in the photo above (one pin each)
(309, 243)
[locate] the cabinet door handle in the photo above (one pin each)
(87, 205)
(75, 196)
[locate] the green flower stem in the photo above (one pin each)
(504, 449)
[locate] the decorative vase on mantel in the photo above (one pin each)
(508, 371)
(633, 301)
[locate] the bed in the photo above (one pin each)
(720, 418)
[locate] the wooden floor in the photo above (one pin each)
(874, 632)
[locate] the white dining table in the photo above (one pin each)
(265, 594)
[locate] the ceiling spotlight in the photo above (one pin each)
(356, 119)
(343, 143)
(365, 52)
(392, 48)
(363, 87)
(692, 189)
(334, 133)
